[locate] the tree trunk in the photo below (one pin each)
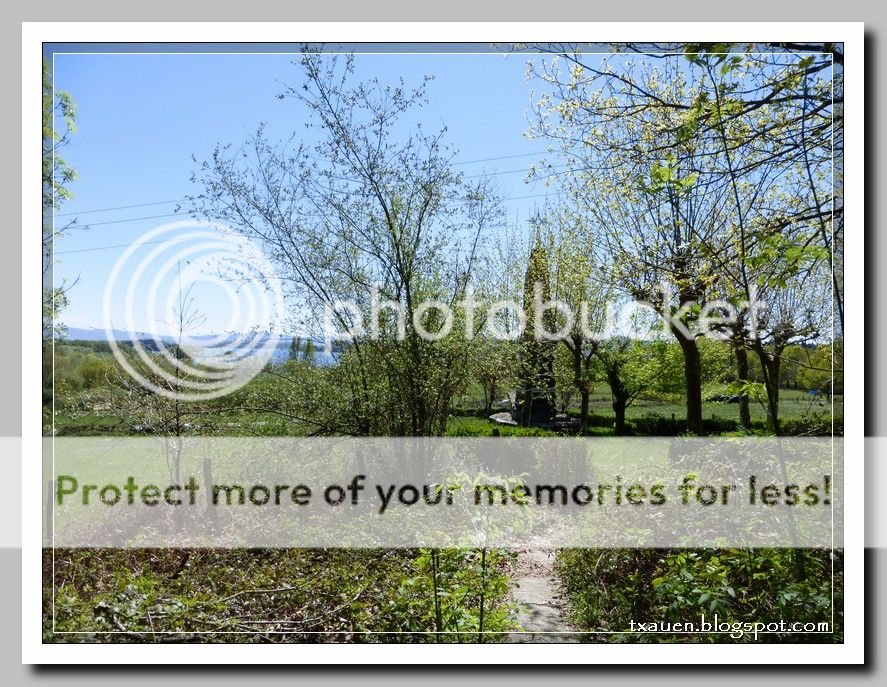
(489, 395)
(742, 373)
(580, 379)
(773, 393)
(583, 409)
(620, 398)
(619, 403)
(770, 368)
(692, 380)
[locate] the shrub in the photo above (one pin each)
(608, 588)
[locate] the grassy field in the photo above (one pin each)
(794, 406)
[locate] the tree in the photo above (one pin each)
(495, 358)
(795, 316)
(564, 379)
(371, 213)
(654, 215)
(813, 368)
(738, 339)
(769, 255)
(494, 364)
(536, 390)
(801, 83)
(686, 164)
(630, 371)
(309, 355)
(165, 416)
(59, 122)
(581, 285)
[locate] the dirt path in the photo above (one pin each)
(541, 607)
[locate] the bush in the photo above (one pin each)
(93, 372)
(609, 588)
(245, 595)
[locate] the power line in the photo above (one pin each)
(178, 214)
(119, 245)
(133, 219)
(493, 159)
(148, 243)
(120, 207)
(179, 200)
(512, 171)
(535, 195)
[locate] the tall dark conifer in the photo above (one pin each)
(536, 393)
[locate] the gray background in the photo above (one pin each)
(15, 11)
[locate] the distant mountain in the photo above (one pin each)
(281, 351)
(96, 334)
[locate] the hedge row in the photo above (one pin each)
(659, 426)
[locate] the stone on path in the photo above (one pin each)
(541, 608)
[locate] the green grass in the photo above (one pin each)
(228, 424)
(794, 405)
(473, 426)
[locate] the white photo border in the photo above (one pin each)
(849, 33)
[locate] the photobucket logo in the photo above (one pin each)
(171, 277)
(547, 319)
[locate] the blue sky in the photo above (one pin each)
(142, 116)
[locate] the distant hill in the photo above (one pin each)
(281, 351)
(96, 334)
